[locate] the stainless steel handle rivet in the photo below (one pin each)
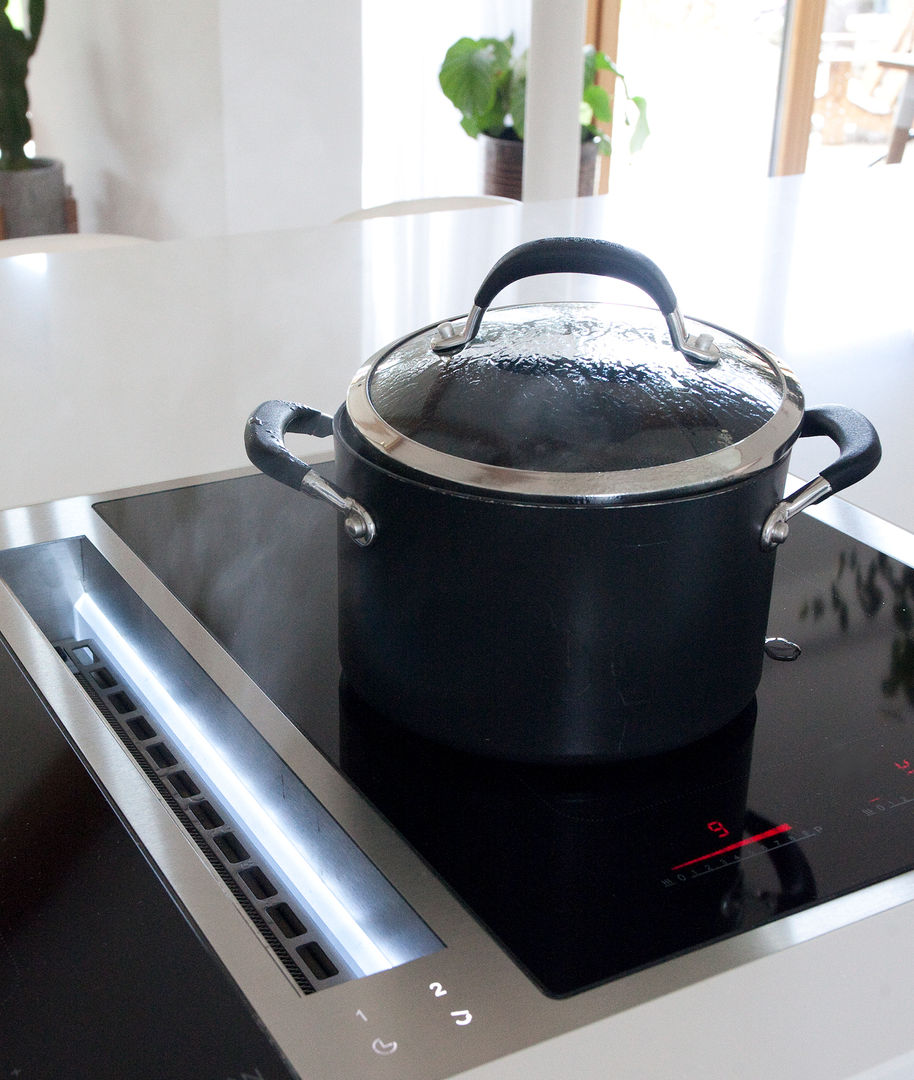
(357, 522)
(699, 348)
(776, 528)
(446, 339)
(359, 526)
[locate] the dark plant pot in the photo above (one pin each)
(33, 200)
(504, 166)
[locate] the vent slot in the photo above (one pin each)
(232, 848)
(141, 729)
(104, 679)
(203, 812)
(287, 922)
(161, 756)
(319, 963)
(258, 882)
(184, 785)
(211, 825)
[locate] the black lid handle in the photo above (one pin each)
(579, 255)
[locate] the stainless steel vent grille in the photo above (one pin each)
(234, 855)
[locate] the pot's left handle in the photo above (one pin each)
(264, 435)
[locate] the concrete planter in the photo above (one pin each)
(503, 164)
(34, 200)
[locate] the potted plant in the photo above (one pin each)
(487, 82)
(33, 195)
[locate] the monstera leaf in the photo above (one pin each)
(475, 76)
(488, 84)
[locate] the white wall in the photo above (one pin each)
(177, 118)
(414, 146)
(292, 110)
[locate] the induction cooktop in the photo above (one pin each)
(344, 875)
(584, 874)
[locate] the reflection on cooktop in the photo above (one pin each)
(567, 867)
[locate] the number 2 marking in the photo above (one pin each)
(438, 989)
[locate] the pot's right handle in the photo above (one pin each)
(264, 435)
(860, 453)
(580, 255)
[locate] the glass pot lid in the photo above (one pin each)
(578, 400)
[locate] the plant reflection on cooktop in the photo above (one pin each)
(586, 873)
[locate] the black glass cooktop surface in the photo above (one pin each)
(586, 873)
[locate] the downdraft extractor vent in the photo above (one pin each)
(325, 908)
(234, 854)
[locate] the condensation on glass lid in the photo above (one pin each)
(561, 388)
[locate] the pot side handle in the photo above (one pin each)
(580, 255)
(264, 435)
(860, 451)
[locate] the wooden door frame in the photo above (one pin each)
(804, 20)
(603, 33)
(796, 93)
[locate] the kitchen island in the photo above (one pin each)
(134, 367)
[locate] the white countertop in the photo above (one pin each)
(135, 365)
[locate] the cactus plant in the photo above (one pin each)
(16, 49)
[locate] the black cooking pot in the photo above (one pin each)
(558, 529)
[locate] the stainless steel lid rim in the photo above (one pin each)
(762, 448)
(350, 439)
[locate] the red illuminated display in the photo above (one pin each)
(733, 847)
